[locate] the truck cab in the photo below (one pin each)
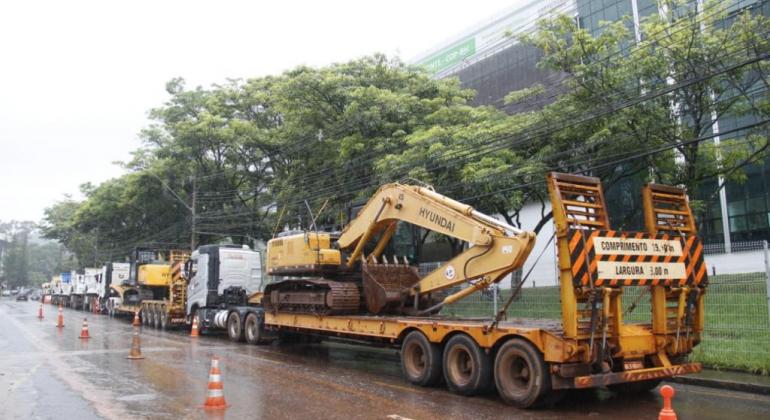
(220, 275)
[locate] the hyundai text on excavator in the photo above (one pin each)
(341, 285)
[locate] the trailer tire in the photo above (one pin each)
(253, 329)
(234, 327)
(467, 368)
(144, 315)
(521, 374)
(420, 360)
(155, 316)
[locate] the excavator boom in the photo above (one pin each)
(496, 248)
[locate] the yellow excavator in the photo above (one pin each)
(327, 273)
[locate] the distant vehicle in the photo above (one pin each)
(36, 295)
(6, 292)
(15, 292)
(22, 296)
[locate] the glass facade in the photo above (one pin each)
(592, 13)
(511, 69)
(515, 68)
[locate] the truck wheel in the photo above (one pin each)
(252, 329)
(420, 360)
(234, 328)
(521, 375)
(467, 369)
(155, 317)
(145, 316)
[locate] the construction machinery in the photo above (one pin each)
(155, 287)
(347, 289)
(325, 279)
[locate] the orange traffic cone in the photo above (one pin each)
(194, 330)
(136, 350)
(136, 322)
(84, 330)
(667, 413)
(215, 398)
(40, 312)
(60, 318)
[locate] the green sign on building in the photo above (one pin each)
(450, 56)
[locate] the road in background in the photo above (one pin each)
(47, 373)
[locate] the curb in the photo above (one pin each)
(722, 384)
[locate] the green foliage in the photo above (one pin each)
(26, 260)
(706, 56)
(255, 154)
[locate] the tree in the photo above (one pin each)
(666, 92)
(28, 261)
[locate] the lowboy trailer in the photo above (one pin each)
(530, 361)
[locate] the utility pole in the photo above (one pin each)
(192, 210)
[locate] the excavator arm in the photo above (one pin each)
(496, 248)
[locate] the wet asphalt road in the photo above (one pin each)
(47, 373)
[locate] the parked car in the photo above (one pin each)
(6, 292)
(22, 296)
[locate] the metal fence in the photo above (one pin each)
(737, 329)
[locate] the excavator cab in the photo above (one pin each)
(597, 264)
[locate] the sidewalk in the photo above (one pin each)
(734, 381)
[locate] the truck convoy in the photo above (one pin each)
(343, 285)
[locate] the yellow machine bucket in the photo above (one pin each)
(386, 285)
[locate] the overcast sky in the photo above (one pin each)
(77, 77)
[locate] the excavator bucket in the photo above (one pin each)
(386, 285)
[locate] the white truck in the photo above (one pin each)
(221, 280)
(65, 291)
(78, 294)
(110, 273)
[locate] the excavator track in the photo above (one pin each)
(315, 296)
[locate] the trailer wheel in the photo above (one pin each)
(420, 360)
(234, 327)
(521, 374)
(144, 315)
(252, 329)
(467, 369)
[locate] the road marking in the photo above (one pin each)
(100, 399)
(23, 378)
(397, 417)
